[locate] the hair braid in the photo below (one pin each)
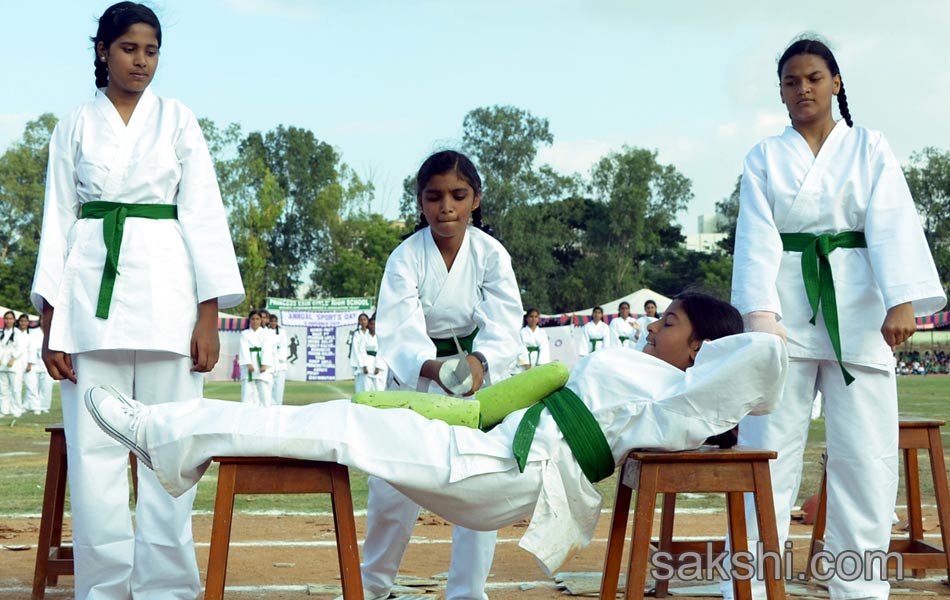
(102, 71)
(843, 106)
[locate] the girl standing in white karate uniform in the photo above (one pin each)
(130, 161)
(12, 348)
(356, 340)
(448, 292)
(825, 215)
(257, 359)
(536, 348)
(25, 385)
(36, 381)
(624, 330)
(280, 361)
(596, 333)
(487, 480)
(371, 369)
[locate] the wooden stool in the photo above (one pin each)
(259, 475)
(53, 558)
(733, 471)
(915, 434)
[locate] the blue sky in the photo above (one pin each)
(387, 82)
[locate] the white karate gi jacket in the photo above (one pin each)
(14, 344)
(419, 299)
(594, 331)
(166, 267)
(624, 327)
(854, 184)
(263, 339)
(538, 337)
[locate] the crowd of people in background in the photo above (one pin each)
(24, 383)
(913, 362)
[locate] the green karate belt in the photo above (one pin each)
(593, 343)
(371, 352)
(819, 283)
(113, 215)
(580, 429)
(623, 338)
(446, 346)
(256, 350)
(533, 350)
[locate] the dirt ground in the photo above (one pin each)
(277, 557)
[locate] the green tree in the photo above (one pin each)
(928, 176)
(353, 263)
(504, 142)
(727, 210)
(22, 186)
(642, 198)
(287, 193)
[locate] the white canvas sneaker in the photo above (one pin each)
(121, 417)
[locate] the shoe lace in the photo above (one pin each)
(136, 413)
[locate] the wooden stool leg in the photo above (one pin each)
(615, 539)
(914, 513)
(768, 532)
(347, 546)
(221, 532)
(662, 587)
(51, 521)
(818, 529)
(642, 532)
(938, 467)
(739, 538)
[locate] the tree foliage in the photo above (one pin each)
(727, 210)
(22, 187)
(928, 176)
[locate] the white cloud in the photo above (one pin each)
(12, 126)
(770, 123)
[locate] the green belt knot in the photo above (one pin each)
(257, 350)
(113, 215)
(581, 431)
(446, 346)
(818, 279)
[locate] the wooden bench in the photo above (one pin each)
(733, 471)
(258, 475)
(914, 434)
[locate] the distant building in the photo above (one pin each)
(707, 235)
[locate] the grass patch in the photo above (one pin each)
(24, 445)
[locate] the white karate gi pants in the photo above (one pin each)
(277, 387)
(415, 455)
(861, 430)
(387, 536)
(257, 391)
(11, 392)
(39, 390)
(157, 560)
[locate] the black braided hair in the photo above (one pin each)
(809, 45)
(843, 106)
(113, 24)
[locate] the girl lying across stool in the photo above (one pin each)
(515, 459)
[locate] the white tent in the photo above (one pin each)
(636, 300)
